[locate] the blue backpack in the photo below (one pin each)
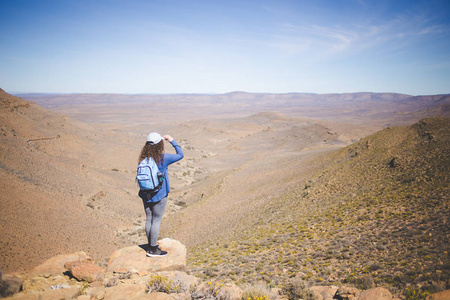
(148, 177)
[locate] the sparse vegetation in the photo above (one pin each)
(204, 290)
(363, 222)
(296, 288)
(163, 284)
(257, 292)
(414, 293)
(83, 288)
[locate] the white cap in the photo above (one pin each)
(154, 138)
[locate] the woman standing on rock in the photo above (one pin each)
(155, 203)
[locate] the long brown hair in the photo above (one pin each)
(155, 151)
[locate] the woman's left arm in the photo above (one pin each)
(171, 158)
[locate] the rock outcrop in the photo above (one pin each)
(126, 275)
(130, 259)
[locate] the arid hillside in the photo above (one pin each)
(69, 185)
(374, 212)
(65, 186)
(271, 186)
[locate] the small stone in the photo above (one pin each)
(120, 270)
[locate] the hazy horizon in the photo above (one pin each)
(16, 93)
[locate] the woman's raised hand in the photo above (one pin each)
(167, 138)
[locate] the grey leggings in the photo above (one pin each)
(154, 212)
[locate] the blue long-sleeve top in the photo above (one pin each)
(168, 159)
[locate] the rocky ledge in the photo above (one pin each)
(130, 274)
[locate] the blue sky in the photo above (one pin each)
(176, 46)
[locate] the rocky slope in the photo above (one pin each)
(373, 213)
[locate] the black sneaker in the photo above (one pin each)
(156, 252)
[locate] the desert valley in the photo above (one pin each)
(326, 189)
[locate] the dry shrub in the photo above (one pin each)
(257, 292)
(414, 293)
(296, 288)
(163, 284)
(208, 290)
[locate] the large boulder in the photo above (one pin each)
(55, 265)
(324, 292)
(378, 293)
(133, 259)
(347, 293)
(85, 271)
(9, 285)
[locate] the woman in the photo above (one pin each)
(156, 204)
